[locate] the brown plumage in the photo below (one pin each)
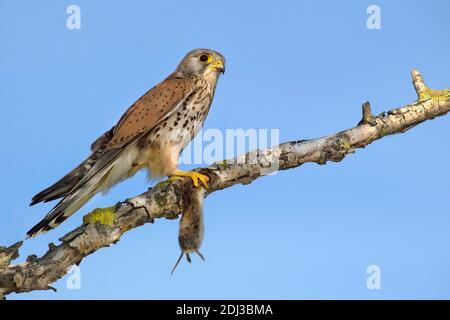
(151, 134)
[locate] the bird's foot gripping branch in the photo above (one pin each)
(167, 199)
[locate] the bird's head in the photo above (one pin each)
(203, 62)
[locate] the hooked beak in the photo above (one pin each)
(218, 66)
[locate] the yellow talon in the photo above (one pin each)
(195, 176)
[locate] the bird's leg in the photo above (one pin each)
(195, 176)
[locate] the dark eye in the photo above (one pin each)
(204, 58)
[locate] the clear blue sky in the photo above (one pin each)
(303, 67)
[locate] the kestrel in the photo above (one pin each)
(150, 135)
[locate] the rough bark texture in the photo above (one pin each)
(104, 227)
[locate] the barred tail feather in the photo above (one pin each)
(109, 168)
(63, 187)
(69, 205)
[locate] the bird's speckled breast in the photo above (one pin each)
(165, 142)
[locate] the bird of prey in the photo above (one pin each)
(150, 135)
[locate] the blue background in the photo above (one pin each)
(302, 67)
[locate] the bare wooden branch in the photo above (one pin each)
(104, 227)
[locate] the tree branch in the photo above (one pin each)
(166, 199)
